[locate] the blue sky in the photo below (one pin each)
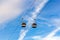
(46, 13)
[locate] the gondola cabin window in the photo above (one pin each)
(34, 25)
(23, 24)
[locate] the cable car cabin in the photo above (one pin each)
(23, 24)
(34, 25)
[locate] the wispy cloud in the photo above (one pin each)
(22, 34)
(56, 22)
(47, 21)
(51, 35)
(39, 8)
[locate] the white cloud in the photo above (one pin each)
(56, 38)
(53, 38)
(41, 38)
(37, 38)
(9, 9)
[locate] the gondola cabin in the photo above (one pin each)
(23, 24)
(34, 25)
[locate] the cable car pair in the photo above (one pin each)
(33, 25)
(24, 24)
